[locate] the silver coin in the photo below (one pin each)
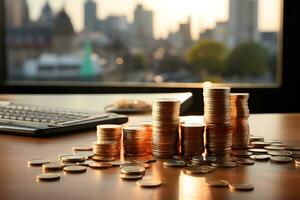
(48, 176)
(75, 169)
(241, 186)
(278, 148)
(149, 182)
(225, 164)
(52, 166)
(201, 169)
(297, 161)
(260, 157)
(38, 161)
(280, 153)
(217, 183)
(130, 177)
(281, 159)
(244, 161)
(174, 163)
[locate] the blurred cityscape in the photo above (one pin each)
(114, 50)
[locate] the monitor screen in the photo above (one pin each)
(144, 41)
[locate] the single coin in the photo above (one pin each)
(260, 157)
(277, 148)
(85, 163)
(82, 148)
(88, 154)
(67, 164)
(38, 161)
(48, 176)
(145, 165)
(130, 177)
(52, 166)
(103, 158)
(73, 158)
(217, 183)
(297, 161)
(225, 164)
(200, 169)
(260, 144)
(149, 182)
(241, 186)
(254, 150)
(245, 161)
(100, 165)
(133, 169)
(174, 163)
(280, 153)
(241, 153)
(75, 169)
(281, 159)
(64, 154)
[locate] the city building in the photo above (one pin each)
(90, 15)
(243, 21)
(47, 17)
(18, 14)
(269, 41)
(143, 23)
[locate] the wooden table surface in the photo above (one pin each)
(271, 181)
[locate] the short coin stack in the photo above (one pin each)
(134, 141)
(192, 141)
(148, 131)
(217, 120)
(108, 140)
(239, 120)
(165, 119)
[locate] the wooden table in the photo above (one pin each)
(271, 181)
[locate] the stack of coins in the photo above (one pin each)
(108, 140)
(217, 119)
(148, 132)
(239, 120)
(134, 141)
(165, 121)
(192, 141)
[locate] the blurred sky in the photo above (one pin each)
(167, 13)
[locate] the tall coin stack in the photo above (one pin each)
(165, 121)
(239, 120)
(217, 119)
(148, 130)
(192, 141)
(108, 140)
(134, 141)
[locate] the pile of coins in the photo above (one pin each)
(192, 141)
(148, 133)
(134, 141)
(217, 119)
(239, 120)
(108, 140)
(165, 119)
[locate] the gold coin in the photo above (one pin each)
(38, 161)
(75, 169)
(149, 182)
(100, 165)
(48, 176)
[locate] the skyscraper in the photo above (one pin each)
(90, 15)
(143, 23)
(47, 17)
(243, 21)
(17, 14)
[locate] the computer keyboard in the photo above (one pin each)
(42, 121)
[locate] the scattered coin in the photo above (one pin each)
(281, 159)
(241, 186)
(64, 154)
(145, 165)
(103, 158)
(133, 169)
(255, 150)
(260, 144)
(100, 165)
(241, 153)
(174, 163)
(244, 161)
(277, 148)
(88, 154)
(280, 153)
(38, 162)
(297, 161)
(260, 157)
(73, 158)
(66, 164)
(225, 164)
(256, 138)
(119, 162)
(85, 163)
(217, 183)
(75, 169)
(149, 182)
(201, 169)
(130, 177)
(82, 148)
(52, 166)
(48, 176)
